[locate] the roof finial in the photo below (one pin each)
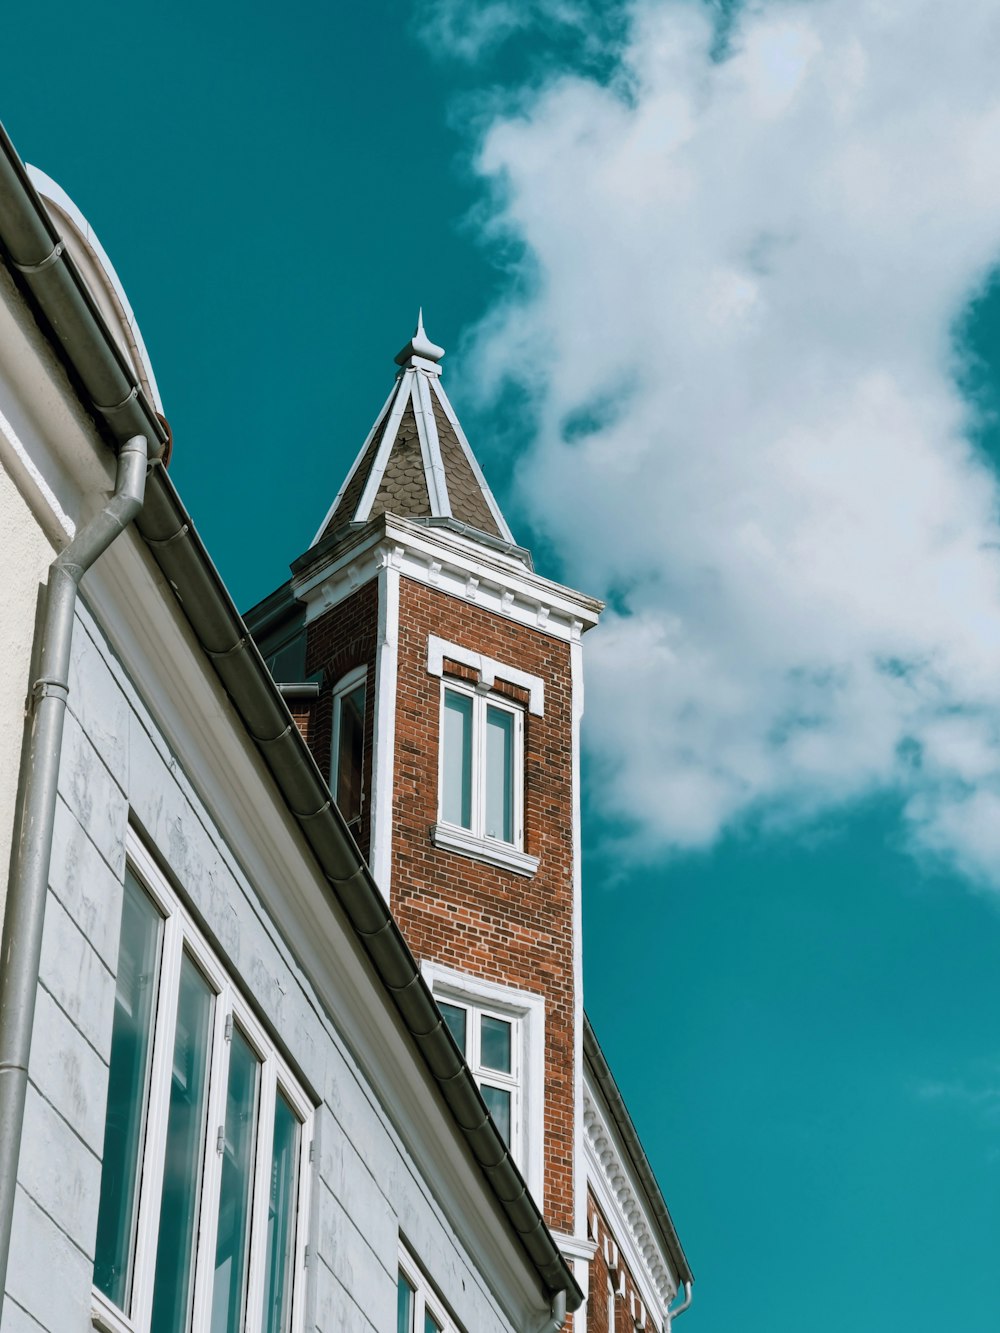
(420, 346)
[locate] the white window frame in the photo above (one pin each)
(474, 842)
(425, 1298)
(347, 685)
(509, 856)
(180, 935)
(525, 1010)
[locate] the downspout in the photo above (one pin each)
(557, 1314)
(21, 948)
(678, 1310)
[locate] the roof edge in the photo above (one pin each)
(595, 1058)
(87, 346)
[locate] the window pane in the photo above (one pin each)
(281, 1219)
(495, 1044)
(498, 1104)
(456, 798)
(128, 1080)
(184, 1158)
(454, 1016)
(233, 1235)
(349, 760)
(404, 1306)
(499, 774)
(431, 1325)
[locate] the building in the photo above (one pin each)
(295, 1062)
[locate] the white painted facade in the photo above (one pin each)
(154, 752)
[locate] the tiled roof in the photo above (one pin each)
(416, 461)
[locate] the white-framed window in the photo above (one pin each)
(481, 776)
(501, 1032)
(611, 1306)
(347, 752)
(481, 757)
(205, 1178)
(419, 1309)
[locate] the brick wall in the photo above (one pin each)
(630, 1312)
(336, 643)
(476, 917)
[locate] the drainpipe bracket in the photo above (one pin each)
(48, 688)
(182, 531)
(42, 264)
(119, 407)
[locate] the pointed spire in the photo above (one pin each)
(420, 347)
(416, 461)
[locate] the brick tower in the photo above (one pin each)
(437, 679)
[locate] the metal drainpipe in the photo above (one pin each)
(26, 894)
(557, 1314)
(672, 1314)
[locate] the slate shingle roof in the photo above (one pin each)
(417, 462)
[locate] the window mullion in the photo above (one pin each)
(261, 1196)
(473, 1021)
(303, 1205)
(208, 1207)
(479, 765)
(151, 1175)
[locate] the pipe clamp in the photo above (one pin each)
(45, 688)
(50, 258)
(119, 407)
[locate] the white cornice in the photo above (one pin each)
(618, 1196)
(575, 1247)
(452, 562)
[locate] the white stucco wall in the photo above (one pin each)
(26, 557)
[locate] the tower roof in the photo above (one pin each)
(416, 461)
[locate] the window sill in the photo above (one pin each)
(495, 853)
(107, 1318)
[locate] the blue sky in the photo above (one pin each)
(716, 290)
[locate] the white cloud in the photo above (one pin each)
(984, 1099)
(469, 31)
(742, 278)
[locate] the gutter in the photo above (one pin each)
(97, 368)
(70, 317)
(659, 1211)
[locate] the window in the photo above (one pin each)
(489, 1042)
(501, 1032)
(348, 749)
(481, 777)
(201, 1219)
(418, 1308)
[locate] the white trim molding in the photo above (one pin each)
(490, 850)
(384, 722)
(619, 1199)
(580, 1175)
(489, 670)
(528, 1008)
(453, 563)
